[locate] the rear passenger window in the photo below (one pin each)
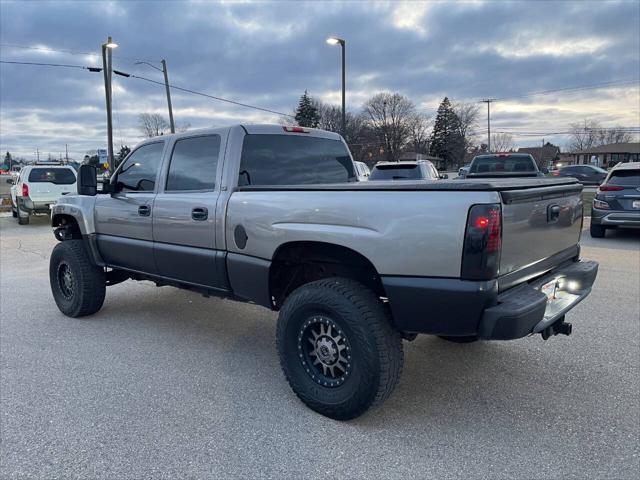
(194, 162)
(294, 160)
(139, 171)
(629, 178)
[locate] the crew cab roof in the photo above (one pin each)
(251, 129)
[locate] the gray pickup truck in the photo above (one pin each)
(275, 216)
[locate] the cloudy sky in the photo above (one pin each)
(268, 53)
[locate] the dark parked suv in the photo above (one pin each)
(586, 174)
(617, 202)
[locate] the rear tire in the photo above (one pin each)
(23, 217)
(78, 286)
(597, 231)
(337, 347)
(464, 339)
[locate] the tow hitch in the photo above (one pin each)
(558, 328)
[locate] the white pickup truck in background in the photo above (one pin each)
(39, 186)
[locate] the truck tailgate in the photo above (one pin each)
(44, 192)
(541, 228)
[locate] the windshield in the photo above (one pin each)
(503, 164)
(630, 178)
(395, 172)
(59, 176)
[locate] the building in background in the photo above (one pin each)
(608, 155)
(546, 156)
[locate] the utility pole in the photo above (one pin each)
(37, 155)
(66, 152)
(488, 102)
(166, 85)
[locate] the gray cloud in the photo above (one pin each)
(268, 53)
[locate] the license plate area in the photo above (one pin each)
(557, 299)
(550, 289)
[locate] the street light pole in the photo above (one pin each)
(106, 69)
(166, 86)
(342, 43)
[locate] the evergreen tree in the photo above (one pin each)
(307, 114)
(446, 141)
(124, 151)
(8, 160)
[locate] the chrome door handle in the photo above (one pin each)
(144, 210)
(200, 214)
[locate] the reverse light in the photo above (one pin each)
(482, 242)
(25, 190)
(295, 130)
(609, 188)
(599, 204)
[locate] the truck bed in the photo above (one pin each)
(480, 184)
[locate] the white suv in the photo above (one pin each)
(38, 187)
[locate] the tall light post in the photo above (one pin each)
(106, 69)
(166, 85)
(488, 102)
(342, 43)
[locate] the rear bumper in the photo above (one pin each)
(30, 206)
(609, 218)
(461, 308)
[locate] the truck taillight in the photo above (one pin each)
(25, 190)
(482, 243)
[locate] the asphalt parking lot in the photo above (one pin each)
(164, 383)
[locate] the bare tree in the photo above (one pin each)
(152, 124)
(501, 142)
(468, 115)
(615, 134)
(588, 134)
(419, 133)
(584, 135)
(389, 115)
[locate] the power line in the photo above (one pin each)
(213, 96)
(124, 74)
(70, 52)
(569, 89)
(49, 64)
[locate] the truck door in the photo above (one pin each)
(184, 216)
(123, 219)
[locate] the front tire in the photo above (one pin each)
(78, 286)
(337, 347)
(597, 231)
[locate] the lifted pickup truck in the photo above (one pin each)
(274, 215)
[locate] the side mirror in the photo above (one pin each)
(87, 180)
(444, 176)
